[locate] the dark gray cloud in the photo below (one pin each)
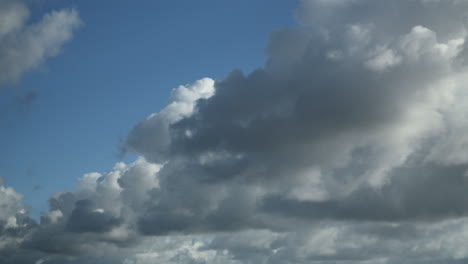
(428, 193)
(351, 120)
(85, 217)
(343, 115)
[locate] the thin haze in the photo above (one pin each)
(348, 145)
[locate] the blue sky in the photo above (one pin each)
(120, 67)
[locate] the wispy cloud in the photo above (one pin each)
(24, 46)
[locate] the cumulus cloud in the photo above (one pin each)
(347, 146)
(24, 46)
(152, 135)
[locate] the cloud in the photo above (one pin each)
(25, 46)
(15, 223)
(85, 217)
(152, 135)
(347, 146)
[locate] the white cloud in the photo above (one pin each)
(11, 204)
(152, 135)
(25, 46)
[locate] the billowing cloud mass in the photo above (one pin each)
(348, 146)
(25, 46)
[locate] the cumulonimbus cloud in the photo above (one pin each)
(347, 146)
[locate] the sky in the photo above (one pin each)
(120, 65)
(233, 132)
